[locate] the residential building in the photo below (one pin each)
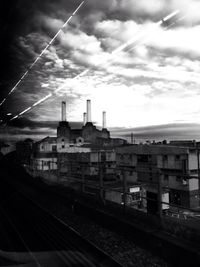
(171, 169)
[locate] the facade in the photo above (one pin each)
(89, 164)
(172, 169)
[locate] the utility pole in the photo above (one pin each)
(49, 167)
(100, 176)
(58, 168)
(198, 173)
(83, 178)
(159, 194)
(124, 189)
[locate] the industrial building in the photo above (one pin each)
(70, 140)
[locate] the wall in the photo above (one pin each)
(192, 161)
(170, 161)
(45, 146)
(131, 176)
(127, 159)
(176, 182)
(113, 196)
(193, 184)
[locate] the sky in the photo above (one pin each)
(150, 88)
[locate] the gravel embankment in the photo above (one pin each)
(116, 245)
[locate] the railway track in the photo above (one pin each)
(43, 239)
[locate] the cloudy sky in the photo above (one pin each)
(150, 88)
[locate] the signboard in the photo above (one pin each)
(134, 189)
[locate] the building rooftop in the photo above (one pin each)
(48, 139)
(154, 149)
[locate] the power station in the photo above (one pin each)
(88, 134)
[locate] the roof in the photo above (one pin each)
(49, 139)
(95, 147)
(152, 149)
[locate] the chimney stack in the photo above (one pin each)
(84, 118)
(88, 111)
(104, 120)
(63, 112)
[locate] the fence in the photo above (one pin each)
(99, 179)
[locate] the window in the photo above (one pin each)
(176, 199)
(142, 158)
(184, 181)
(166, 177)
(131, 173)
(177, 157)
(63, 146)
(178, 178)
(63, 140)
(165, 157)
(54, 148)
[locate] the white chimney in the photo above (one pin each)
(104, 120)
(88, 111)
(63, 112)
(84, 118)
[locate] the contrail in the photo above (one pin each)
(34, 105)
(40, 55)
(166, 28)
(120, 48)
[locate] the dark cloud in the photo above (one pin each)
(20, 23)
(23, 122)
(24, 127)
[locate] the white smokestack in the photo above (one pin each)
(63, 112)
(84, 118)
(104, 120)
(88, 111)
